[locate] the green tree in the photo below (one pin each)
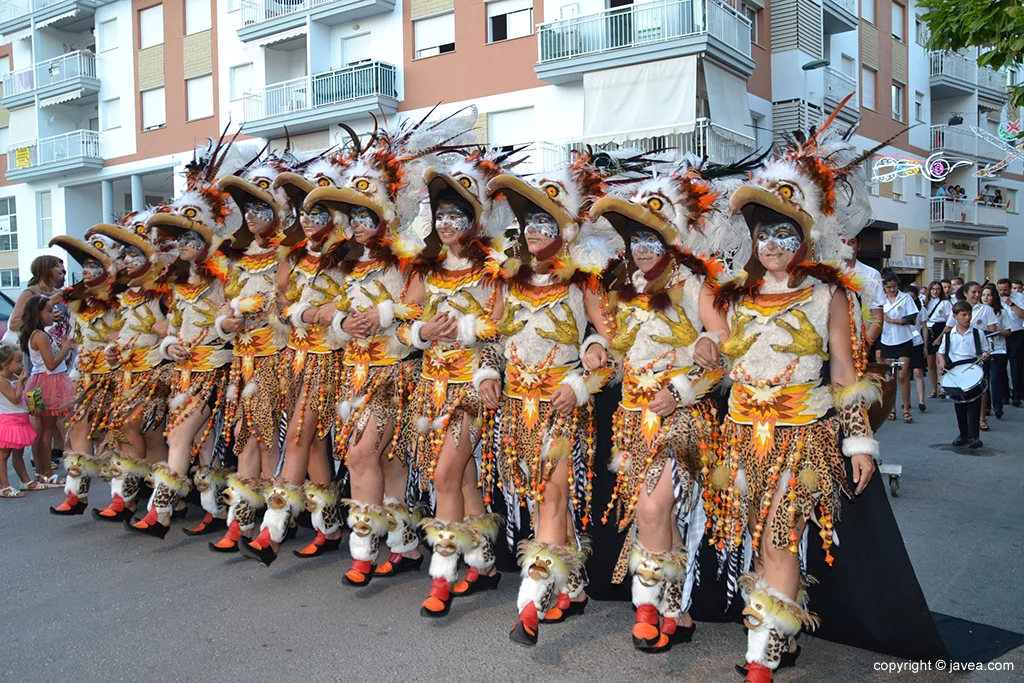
(994, 25)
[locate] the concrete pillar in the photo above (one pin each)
(107, 200)
(138, 194)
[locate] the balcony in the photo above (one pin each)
(53, 156)
(991, 84)
(73, 16)
(839, 16)
(952, 75)
(719, 144)
(643, 33)
(962, 141)
(312, 103)
(61, 79)
(958, 219)
(264, 18)
(837, 86)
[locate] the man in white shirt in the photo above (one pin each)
(1014, 301)
(872, 294)
(961, 345)
(954, 285)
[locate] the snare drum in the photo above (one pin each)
(964, 383)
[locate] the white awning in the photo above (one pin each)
(283, 36)
(46, 22)
(14, 37)
(59, 99)
(727, 98)
(656, 98)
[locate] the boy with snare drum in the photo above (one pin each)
(962, 345)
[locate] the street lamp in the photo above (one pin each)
(811, 66)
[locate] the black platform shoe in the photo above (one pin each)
(121, 516)
(209, 525)
(154, 529)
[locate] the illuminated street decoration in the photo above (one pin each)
(1009, 130)
(936, 168)
(1011, 151)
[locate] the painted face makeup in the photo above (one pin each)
(646, 241)
(542, 223)
(318, 216)
(134, 259)
(92, 270)
(259, 216)
(450, 216)
(363, 219)
(190, 239)
(783, 235)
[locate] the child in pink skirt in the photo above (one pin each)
(16, 430)
(50, 375)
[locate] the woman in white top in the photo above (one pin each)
(937, 309)
(998, 385)
(986, 320)
(918, 362)
(899, 317)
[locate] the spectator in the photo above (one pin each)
(947, 287)
(998, 386)
(956, 284)
(943, 191)
(997, 197)
(1013, 302)
(899, 315)
(871, 288)
(918, 362)
(937, 308)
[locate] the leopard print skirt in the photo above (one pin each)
(145, 398)
(321, 375)
(806, 460)
(430, 425)
(258, 405)
(94, 401)
(384, 395)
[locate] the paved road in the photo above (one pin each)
(84, 602)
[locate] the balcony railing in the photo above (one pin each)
(57, 70)
(636, 25)
(953, 66)
(946, 210)
(848, 5)
(718, 143)
(838, 85)
(319, 90)
(962, 140)
(12, 9)
(255, 11)
(990, 79)
(78, 144)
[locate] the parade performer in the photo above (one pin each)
(456, 276)
(544, 447)
(256, 390)
(93, 305)
(196, 223)
(666, 424)
(313, 356)
(381, 197)
(796, 386)
(135, 420)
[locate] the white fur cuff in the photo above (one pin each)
(218, 325)
(467, 330)
(482, 375)
(414, 335)
(860, 445)
(236, 306)
(387, 313)
(575, 382)
(165, 344)
(681, 383)
(595, 339)
(298, 309)
(336, 322)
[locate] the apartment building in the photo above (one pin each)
(104, 100)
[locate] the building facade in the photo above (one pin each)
(104, 100)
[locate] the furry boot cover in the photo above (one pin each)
(545, 571)
(323, 506)
(480, 554)
(771, 619)
(448, 541)
(368, 524)
(402, 526)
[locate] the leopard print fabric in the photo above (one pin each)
(331, 518)
(386, 388)
(164, 498)
(672, 599)
(777, 643)
(245, 515)
(258, 415)
(145, 398)
(131, 486)
(853, 420)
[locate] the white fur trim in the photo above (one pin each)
(386, 309)
(757, 647)
(482, 375)
(212, 501)
(236, 306)
(414, 336)
(336, 322)
(317, 519)
(860, 445)
(250, 388)
(681, 383)
(532, 590)
(363, 548)
(444, 567)
(165, 344)
(344, 410)
(741, 480)
(218, 325)
(422, 424)
(647, 595)
(298, 309)
(595, 339)
(277, 522)
(467, 330)
(574, 380)
(178, 401)
(232, 393)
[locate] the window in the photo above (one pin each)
(867, 88)
(919, 107)
(9, 278)
(111, 112)
(241, 80)
(45, 219)
(506, 129)
(357, 50)
(434, 36)
(200, 97)
(197, 16)
(1009, 195)
(106, 36)
(8, 225)
(897, 21)
(920, 32)
(508, 19)
(897, 102)
(867, 10)
(234, 5)
(848, 66)
(751, 13)
(154, 114)
(921, 187)
(151, 27)
(897, 189)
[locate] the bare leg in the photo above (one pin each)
(933, 373)
(41, 447)
(364, 466)
(471, 493)
(182, 436)
(80, 441)
(905, 383)
(249, 461)
(4, 481)
(18, 460)
(448, 476)
(297, 445)
(919, 382)
(136, 442)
